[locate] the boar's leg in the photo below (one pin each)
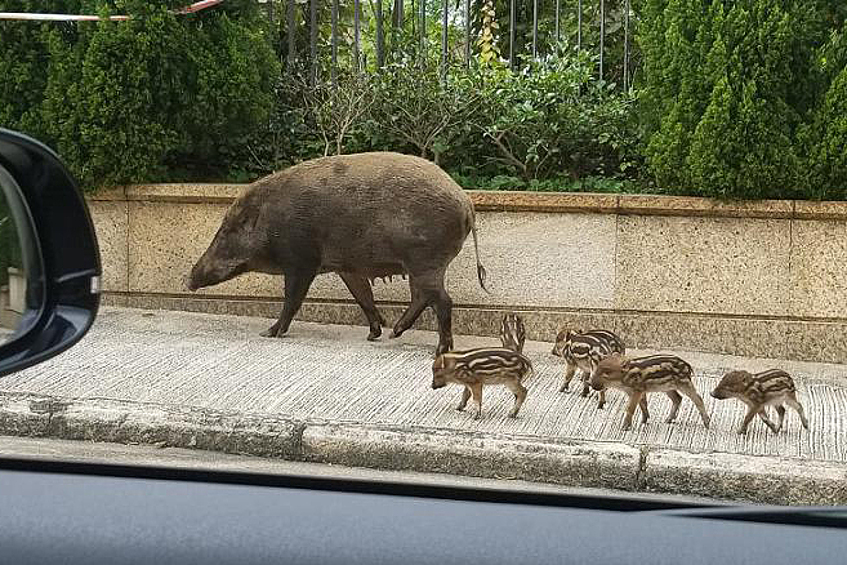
(360, 288)
(296, 286)
(412, 312)
(428, 290)
(443, 305)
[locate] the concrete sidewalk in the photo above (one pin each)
(325, 394)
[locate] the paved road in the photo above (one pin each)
(330, 373)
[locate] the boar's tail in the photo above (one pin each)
(480, 270)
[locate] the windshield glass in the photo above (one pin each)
(574, 244)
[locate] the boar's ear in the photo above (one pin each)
(244, 213)
(248, 216)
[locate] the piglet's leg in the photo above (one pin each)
(601, 402)
(520, 395)
(689, 391)
(780, 411)
(476, 391)
(634, 401)
(466, 394)
(794, 403)
(764, 417)
(751, 413)
(676, 400)
(569, 373)
(645, 414)
(586, 388)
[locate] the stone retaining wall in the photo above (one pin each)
(764, 278)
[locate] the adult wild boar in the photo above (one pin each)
(363, 216)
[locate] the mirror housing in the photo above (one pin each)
(60, 239)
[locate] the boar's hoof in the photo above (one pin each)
(374, 334)
(442, 348)
(272, 331)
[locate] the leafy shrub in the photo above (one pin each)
(728, 87)
(826, 135)
(131, 101)
(417, 107)
(555, 117)
(553, 184)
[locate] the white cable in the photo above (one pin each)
(196, 7)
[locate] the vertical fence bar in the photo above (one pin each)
(333, 70)
(444, 15)
(468, 32)
(395, 26)
(290, 30)
(423, 33)
(380, 36)
(602, 33)
(558, 36)
(579, 25)
(356, 34)
(626, 46)
(512, 18)
(400, 15)
(313, 41)
(534, 29)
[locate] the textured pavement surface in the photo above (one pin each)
(330, 373)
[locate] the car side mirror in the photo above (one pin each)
(49, 258)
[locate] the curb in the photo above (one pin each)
(606, 465)
(610, 465)
(768, 480)
(115, 421)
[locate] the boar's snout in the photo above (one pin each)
(719, 394)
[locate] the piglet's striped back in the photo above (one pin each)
(489, 361)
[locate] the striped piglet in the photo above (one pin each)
(512, 332)
(484, 366)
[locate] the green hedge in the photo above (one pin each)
(730, 91)
(732, 99)
(152, 98)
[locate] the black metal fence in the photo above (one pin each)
(459, 16)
